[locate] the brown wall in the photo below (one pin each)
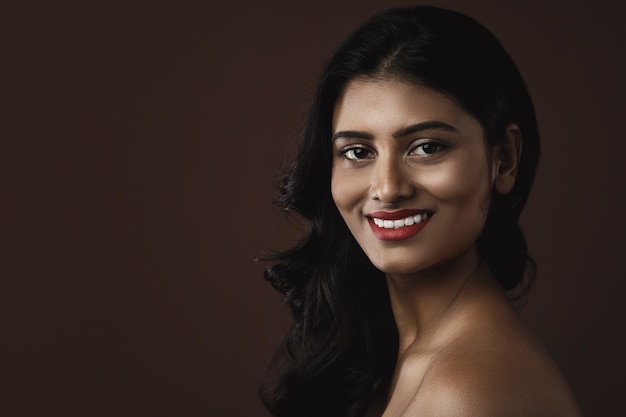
(139, 146)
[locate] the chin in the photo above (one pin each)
(409, 264)
(399, 267)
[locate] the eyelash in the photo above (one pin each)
(438, 146)
(348, 152)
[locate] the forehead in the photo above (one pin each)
(378, 104)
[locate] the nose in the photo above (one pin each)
(391, 183)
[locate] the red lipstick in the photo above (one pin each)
(385, 225)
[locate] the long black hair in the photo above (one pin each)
(341, 351)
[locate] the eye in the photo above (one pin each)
(427, 148)
(356, 154)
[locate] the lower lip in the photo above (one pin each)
(397, 234)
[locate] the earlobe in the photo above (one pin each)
(506, 160)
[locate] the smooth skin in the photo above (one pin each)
(463, 351)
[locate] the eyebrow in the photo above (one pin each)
(405, 131)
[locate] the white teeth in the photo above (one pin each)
(396, 224)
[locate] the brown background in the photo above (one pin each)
(139, 147)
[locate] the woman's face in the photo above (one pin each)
(411, 176)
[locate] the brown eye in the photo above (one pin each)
(355, 154)
(428, 148)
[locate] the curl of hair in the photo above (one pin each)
(341, 351)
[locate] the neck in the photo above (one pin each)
(421, 301)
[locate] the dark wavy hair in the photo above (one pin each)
(341, 350)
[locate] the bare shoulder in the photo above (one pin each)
(477, 387)
(495, 368)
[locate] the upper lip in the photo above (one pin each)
(396, 214)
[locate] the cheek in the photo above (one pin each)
(345, 190)
(460, 181)
(462, 192)
(336, 190)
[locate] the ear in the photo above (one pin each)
(506, 160)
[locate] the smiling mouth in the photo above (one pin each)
(400, 223)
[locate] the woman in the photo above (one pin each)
(416, 160)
